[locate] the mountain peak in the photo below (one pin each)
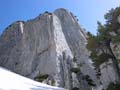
(50, 48)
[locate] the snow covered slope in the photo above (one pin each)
(12, 81)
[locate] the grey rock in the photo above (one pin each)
(52, 45)
(119, 19)
(108, 74)
(115, 49)
(76, 39)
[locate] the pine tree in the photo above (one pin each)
(99, 45)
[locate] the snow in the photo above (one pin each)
(12, 81)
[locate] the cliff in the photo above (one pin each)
(51, 49)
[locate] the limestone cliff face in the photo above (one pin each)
(51, 48)
(108, 74)
(76, 40)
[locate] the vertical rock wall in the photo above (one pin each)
(50, 48)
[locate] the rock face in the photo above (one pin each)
(108, 74)
(116, 50)
(76, 39)
(50, 48)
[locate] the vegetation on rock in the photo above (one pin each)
(113, 86)
(99, 45)
(89, 80)
(75, 70)
(41, 78)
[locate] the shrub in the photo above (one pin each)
(116, 39)
(46, 12)
(75, 70)
(113, 86)
(89, 80)
(41, 78)
(75, 88)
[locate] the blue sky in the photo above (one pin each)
(87, 11)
